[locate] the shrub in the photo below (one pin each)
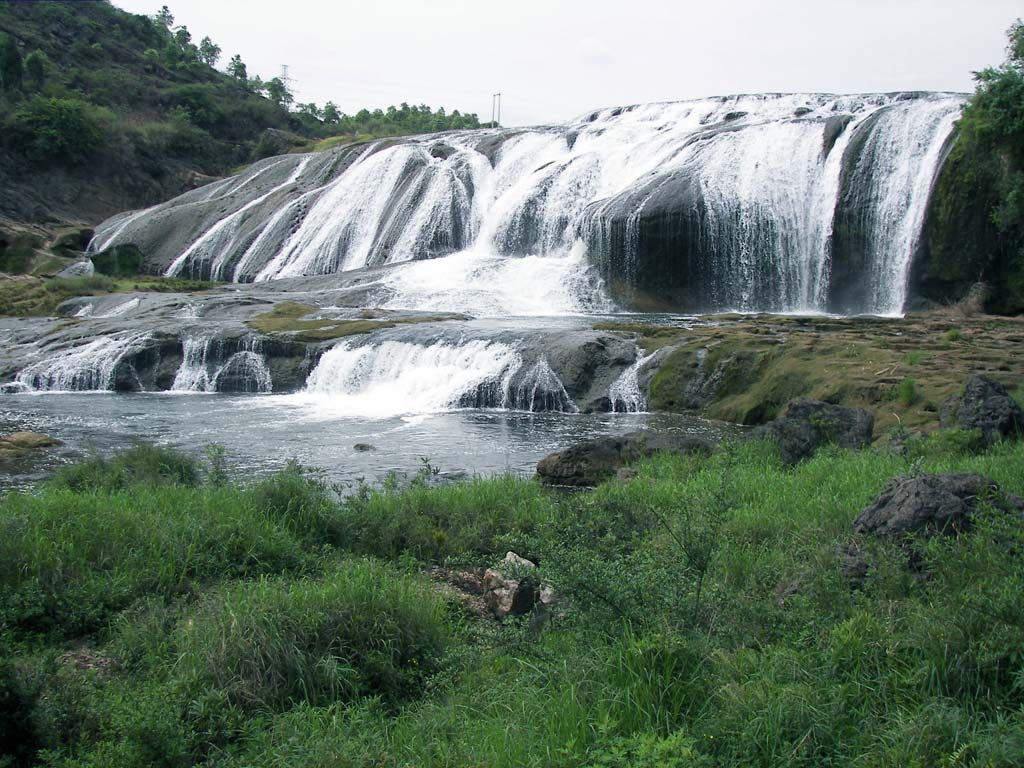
(140, 464)
(362, 630)
(58, 130)
(906, 392)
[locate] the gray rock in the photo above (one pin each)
(78, 269)
(363, 447)
(931, 504)
(810, 424)
(442, 151)
(986, 405)
(593, 461)
(505, 594)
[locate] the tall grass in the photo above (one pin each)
(707, 621)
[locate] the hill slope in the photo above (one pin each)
(112, 123)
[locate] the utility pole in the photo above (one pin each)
(496, 101)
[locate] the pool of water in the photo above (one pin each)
(262, 433)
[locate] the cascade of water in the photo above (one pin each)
(395, 377)
(192, 375)
(759, 176)
(217, 245)
(624, 393)
(89, 367)
(203, 369)
(893, 181)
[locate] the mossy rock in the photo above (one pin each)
(119, 261)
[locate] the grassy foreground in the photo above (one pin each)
(155, 612)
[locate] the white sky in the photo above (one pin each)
(555, 59)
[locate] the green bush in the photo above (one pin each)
(142, 464)
(361, 630)
(906, 392)
(52, 130)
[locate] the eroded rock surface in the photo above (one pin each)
(593, 461)
(986, 405)
(810, 424)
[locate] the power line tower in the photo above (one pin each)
(496, 109)
(287, 82)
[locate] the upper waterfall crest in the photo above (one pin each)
(753, 203)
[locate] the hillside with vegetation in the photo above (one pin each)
(975, 228)
(103, 111)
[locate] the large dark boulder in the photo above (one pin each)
(931, 504)
(810, 424)
(985, 405)
(593, 461)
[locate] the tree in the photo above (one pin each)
(993, 121)
(236, 68)
(36, 64)
(310, 109)
(278, 93)
(11, 67)
(209, 52)
(66, 130)
(164, 19)
(330, 113)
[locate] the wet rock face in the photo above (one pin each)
(985, 405)
(810, 424)
(593, 461)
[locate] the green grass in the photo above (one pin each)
(33, 297)
(289, 317)
(706, 620)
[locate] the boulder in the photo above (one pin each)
(931, 504)
(28, 441)
(506, 595)
(986, 405)
(78, 269)
(442, 151)
(593, 461)
(809, 424)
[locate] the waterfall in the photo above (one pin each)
(204, 367)
(713, 204)
(90, 367)
(625, 394)
(393, 378)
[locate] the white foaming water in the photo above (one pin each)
(121, 309)
(89, 367)
(495, 286)
(625, 393)
(396, 378)
(200, 370)
(219, 241)
(900, 161)
(768, 171)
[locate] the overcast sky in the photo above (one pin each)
(555, 59)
